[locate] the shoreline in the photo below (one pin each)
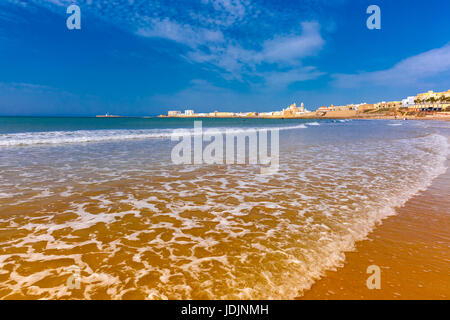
(315, 117)
(430, 117)
(87, 201)
(412, 249)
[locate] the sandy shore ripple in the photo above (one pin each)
(411, 248)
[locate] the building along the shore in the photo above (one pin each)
(410, 101)
(221, 114)
(174, 113)
(293, 110)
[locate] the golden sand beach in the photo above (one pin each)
(105, 214)
(411, 248)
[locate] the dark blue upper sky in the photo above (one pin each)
(141, 57)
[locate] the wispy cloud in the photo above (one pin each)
(27, 87)
(291, 48)
(411, 70)
(226, 12)
(214, 33)
(285, 51)
(200, 93)
(22, 97)
(182, 33)
(280, 79)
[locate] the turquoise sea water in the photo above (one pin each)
(104, 196)
(21, 131)
(37, 124)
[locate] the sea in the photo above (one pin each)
(97, 208)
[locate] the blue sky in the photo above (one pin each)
(140, 57)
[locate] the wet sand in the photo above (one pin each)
(412, 250)
(115, 221)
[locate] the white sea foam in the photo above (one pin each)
(86, 136)
(264, 236)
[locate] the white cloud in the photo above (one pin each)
(25, 98)
(281, 79)
(185, 34)
(227, 11)
(200, 94)
(293, 47)
(234, 7)
(27, 87)
(215, 33)
(411, 70)
(285, 50)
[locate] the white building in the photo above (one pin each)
(174, 113)
(188, 112)
(408, 101)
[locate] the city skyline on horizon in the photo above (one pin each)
(142, 58)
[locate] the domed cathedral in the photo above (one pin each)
(293, 110)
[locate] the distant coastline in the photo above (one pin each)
(445, 116)
(411, 116)
(428, 105)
